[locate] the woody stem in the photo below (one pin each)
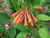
(37, 26)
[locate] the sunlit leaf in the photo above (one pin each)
(43, 33)
(43, 17)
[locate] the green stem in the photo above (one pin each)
(37, 26)
(28, 3)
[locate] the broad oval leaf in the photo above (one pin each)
(43, 33)
(4, 18)
(43, 17)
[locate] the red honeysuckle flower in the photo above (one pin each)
(16, 18)
(35, 20)
(19, 20)
(29, 17)
(25, 20)
(14, 15)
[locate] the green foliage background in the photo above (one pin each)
(20, 31)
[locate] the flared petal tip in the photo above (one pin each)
(13, 15)
(25, 24)
(36, 21)
(31, 24)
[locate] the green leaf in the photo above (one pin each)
(35, 12)
(11, 32)
(40, 23)
(22, 35)
(4, 18)
(43, 17)
(2, 28)
(49, 35)
(38, 2)
(19, 2)
(22, 27)
(47, 13)
(43, 33)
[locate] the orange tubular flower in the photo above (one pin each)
(35, 20)
(29, 17)
(15, 20)
(25, 21)
(39, 8)
(14, 15)
(19, 20)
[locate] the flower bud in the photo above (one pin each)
(39, 8)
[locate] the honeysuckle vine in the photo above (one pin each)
(21, 15)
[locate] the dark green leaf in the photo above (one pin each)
(11, 32)
(2, 28)
(38, 2)
(47, 13)
(4, 18)
(40, 23)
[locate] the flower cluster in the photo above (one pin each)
(21, 15)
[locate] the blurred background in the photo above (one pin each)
(8, 7)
